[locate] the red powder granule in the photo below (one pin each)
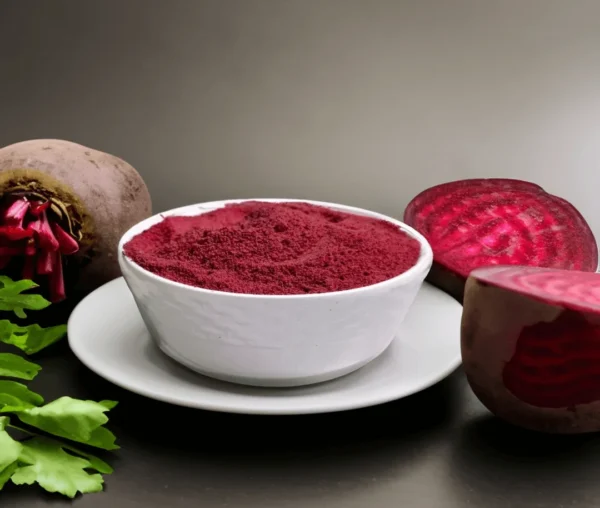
(274, 249)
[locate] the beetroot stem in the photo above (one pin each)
(66, 242)
(37, 208)
(46, 237)
(15, 232)
(44, 262)
(15, 213)
(27, 232)
(56, 280)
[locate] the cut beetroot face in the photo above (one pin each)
(567, 289)
(531, 345)
(486, 222)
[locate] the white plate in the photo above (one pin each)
(107, 334)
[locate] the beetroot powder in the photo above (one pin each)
(274, 249)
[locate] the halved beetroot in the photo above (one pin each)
(485, 222)
(531, 346)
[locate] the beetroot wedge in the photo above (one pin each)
(530, 345)
(486, 222)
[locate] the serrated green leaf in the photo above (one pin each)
(17, 367)
(45, 462)
(30, 339)
(17, 395)
(102, 438)
(7, 472)
(108, 404)
(25, 284)
(11, 298)
(77, 420)
(10, 450)
(97, 464)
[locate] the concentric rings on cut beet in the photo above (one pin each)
(570, 289)
(556, 365)
(530, 344)
(482, 222)
(555, 359)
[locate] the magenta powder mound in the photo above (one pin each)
(270, 248)
(485, 222)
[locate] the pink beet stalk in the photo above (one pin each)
(15, 232)
(38, 208)
(30, 235)
(11, 251)
(46, 237)
(16, 212)
(44, 262)
(67, 244)
(56, 279)
(30, 249)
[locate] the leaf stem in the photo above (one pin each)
(21, 429)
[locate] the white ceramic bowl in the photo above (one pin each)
(272, 340)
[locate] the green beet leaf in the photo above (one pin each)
(17, 395)
(78, 420)
(11, 298)
(30, 339)
(55, 466)
(4, 421)
(102, 438)
(96, 463)
(17, 367)
(45, 462)
(10, 450)
(9, 470)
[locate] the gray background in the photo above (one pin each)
(363, 102)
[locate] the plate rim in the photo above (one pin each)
(331, 407)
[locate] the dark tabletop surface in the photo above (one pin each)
(438, 448)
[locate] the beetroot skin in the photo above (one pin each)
(483, 222)
(531, 346)
(63, 210)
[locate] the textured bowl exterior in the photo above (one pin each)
(272, 340)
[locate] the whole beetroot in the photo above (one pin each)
(64, 208)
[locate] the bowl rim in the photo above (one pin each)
(423, 263)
